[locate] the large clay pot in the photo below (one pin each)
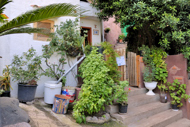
(150, 86)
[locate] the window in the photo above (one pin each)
(48, 24)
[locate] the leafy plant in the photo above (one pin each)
(162, 23)
(121, 36)
(55, 69)
(186, 53)
(111, 61)
(97, 88)
(67, 38)
(158, 56)
(26, 68)
(1, 91)
(163, 88)
(148, 76)
(177, 92)
(154, 59)
(121, 95)
(5, 79)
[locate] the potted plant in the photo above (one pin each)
(161, 72)
(163, 93)
(25, 70)
(68, 38)
(149, 82)
(121, 95)
(121, 37)
(107, 30)
(177, 93)
(5, 82)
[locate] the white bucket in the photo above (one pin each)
(50, 90)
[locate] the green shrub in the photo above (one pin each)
(177, 92)
(97, 88)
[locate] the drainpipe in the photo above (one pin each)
(72, 66)
(102, 30)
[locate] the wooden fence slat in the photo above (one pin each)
(133, 65)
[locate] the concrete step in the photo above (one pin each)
(136, 91)
(141, 99)
(138, 113)
(180, 123)
(161, 119)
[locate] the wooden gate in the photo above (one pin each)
(133, 65)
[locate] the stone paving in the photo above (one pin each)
(40, 118)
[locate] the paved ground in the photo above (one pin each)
(41, 115)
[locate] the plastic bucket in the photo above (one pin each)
(50, 90)
(60, 104)
(70, 92)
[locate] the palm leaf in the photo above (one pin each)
(2, 4)
(28, 30)
(43, 13)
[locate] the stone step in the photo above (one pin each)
(141, 99)
(136, 91)
(161, 119)
(180, 123)
(138, 113)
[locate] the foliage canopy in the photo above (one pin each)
(162, 23)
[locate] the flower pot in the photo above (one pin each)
(120, 40)
(50, 90)
(123, 108)
(77, 93)
(5, 94)
(174, 107)
(26, 93)
(163, 97)
(150, 86)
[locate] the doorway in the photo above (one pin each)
(88, 32)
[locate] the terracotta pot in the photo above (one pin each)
(120, 40)
(77, 93)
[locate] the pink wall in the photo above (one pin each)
(115, 31)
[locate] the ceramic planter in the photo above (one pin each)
(150, 86)
(174, 107)
(123, 108)
(26, 93)
(163, 97)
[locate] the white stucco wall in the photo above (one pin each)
(19, 43)
(16, 44)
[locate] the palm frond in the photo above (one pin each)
(28, 30)
(43, 13)
(2, 4)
